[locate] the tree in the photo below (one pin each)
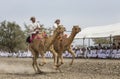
(101, 41)
(12, 38)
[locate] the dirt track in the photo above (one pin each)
(21, 68)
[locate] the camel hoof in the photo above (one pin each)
(59, 69)
(58, 65)
(70, 64)
(55, 67)
(39, 72)
(42, 64)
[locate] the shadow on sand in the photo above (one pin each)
(30, 74)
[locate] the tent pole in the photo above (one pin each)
(83, 42)
(110, 41)
(110, 46)
(88, 42)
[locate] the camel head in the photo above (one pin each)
(76, 29)
(59, 29)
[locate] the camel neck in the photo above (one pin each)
(51, 39)
(71, 37)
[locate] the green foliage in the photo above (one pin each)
(101, 41)
(12, 38)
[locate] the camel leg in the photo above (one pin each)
(54, 55)
(37, 70)
(34, 54)
(73, 55)
(43, 57)
(34, 64)
(58, 60)
(58, 65)
(61, 57)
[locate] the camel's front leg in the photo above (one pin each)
(37, 70)
(58, 65)
(73, 55)
(61, 58)
(35, 56)
(54, 55)
(33, 64)
(43, 57)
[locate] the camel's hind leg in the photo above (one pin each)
(73, 55)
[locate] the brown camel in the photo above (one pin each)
(40, 46)
(63, 45)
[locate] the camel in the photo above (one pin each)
(40, 46)
(63, 45)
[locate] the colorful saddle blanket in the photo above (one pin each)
(36, 36)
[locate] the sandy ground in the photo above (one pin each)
(21, 68)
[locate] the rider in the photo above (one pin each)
(34, 29)
(56, 24)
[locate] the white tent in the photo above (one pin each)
(100, 31)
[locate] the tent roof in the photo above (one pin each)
(100, 31)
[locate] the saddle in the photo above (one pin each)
(39, 36)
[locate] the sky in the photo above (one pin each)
(85, 13)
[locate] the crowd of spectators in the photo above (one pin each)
(99, 51)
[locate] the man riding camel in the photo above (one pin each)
(34, 29)
(56, 24)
